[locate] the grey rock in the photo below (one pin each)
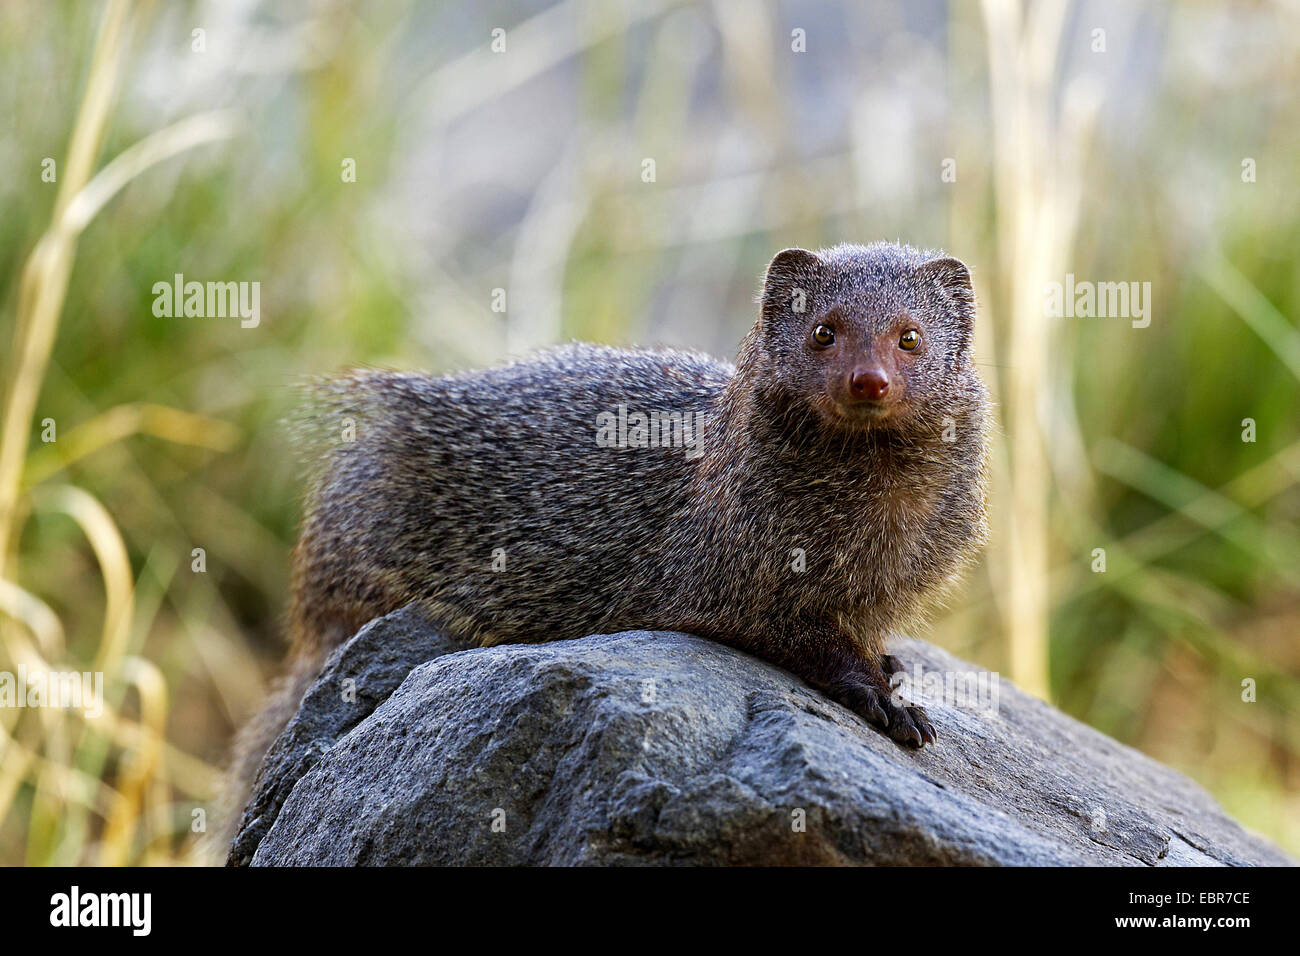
(663, 748)
(356, 679)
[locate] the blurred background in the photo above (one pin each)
(383, 168)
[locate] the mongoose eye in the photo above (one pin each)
(909, 340)
(823, 335)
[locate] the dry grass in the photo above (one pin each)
(101, 782)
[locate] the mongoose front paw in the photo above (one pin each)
(905, 723)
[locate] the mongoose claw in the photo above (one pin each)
(892, 667)
(919, 720)
(906, 724)
(869, 704)
(890, 664)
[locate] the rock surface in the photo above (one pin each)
(663, 748)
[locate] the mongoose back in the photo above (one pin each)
(798, 505)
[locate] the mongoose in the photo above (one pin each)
(799, 505)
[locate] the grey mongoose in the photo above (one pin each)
(799, 505)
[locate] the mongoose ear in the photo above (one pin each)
(790, 279)
(951, 277)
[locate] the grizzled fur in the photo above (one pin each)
(884, 500)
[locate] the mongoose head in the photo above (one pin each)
(874, 336)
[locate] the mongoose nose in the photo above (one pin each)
(869, 383)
